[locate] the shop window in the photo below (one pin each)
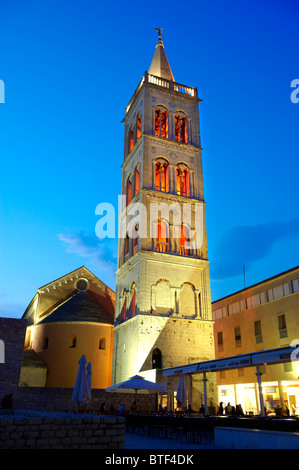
(162, 237)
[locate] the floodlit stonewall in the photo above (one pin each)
(61, 431)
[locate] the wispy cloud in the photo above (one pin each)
(247, 244)
(100, 254)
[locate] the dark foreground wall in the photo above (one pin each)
(61, 431)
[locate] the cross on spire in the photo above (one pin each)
(159, 32)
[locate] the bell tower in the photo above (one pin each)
(163, 312)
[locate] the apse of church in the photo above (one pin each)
(163, 312)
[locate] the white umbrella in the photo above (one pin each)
(88, 377)
(181, 394)
(137, 383)
(80, 391)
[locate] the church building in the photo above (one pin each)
(163, 315)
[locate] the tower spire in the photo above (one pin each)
(160, 66)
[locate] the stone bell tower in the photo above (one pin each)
(163, 312)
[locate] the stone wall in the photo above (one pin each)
(12, 333)
(60, 400)
(54, 431)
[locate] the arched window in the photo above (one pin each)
(161, 177)
(138, 127)
(126, 250)
(162, 237)
(133, 300)
(184, 241)
(129, 191)
(157, 359)
(136, 180)
(131, 139)
(102, 343)
(135, 239)
(182, 181)
(124, 309)
(72, 341)
(180, 127)
(161, 123)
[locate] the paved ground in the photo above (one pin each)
(137, 441)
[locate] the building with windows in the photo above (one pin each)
(69, 317)
(163, 311)
(260, 317)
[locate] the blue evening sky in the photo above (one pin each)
(70, 68)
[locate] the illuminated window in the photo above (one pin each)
(133, 300)
(102, 343)
(184, 241)
(161, 123)
(136, 180)
(180, 127)
(182, 181)
(138, 127)
(131, 139)
(129, 191)
(161, 177)
(162, 237)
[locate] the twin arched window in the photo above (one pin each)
(162, 237)
(161, 122)
(180, 128)
(182, 181)
(184, 241)
(131, 190)
(161, 177)
(131, 296)
(134, 132)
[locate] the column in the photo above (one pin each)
(260, 393)
(204, 380)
